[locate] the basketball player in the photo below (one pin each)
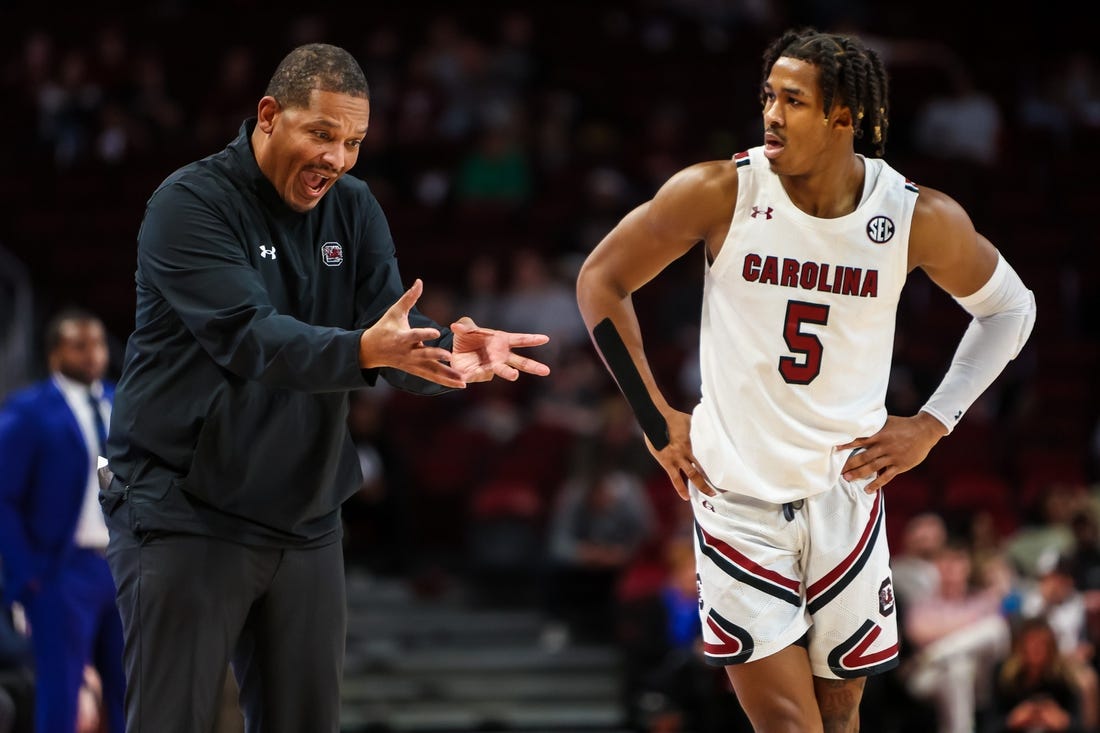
(807, 246)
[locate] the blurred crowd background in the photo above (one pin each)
(506, 139)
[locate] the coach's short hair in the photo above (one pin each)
(319, 66)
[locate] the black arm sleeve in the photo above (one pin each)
(618, 359)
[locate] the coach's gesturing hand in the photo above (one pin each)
(391, 342)
(480, 353)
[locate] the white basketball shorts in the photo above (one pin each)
(816, 573)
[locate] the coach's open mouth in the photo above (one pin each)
(314, 182)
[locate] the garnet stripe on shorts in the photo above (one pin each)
(829, 585)
(741, 568)
(735, 643)
(851, 659)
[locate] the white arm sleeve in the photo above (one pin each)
(1004, 314)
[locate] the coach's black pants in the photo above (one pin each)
(191, 605)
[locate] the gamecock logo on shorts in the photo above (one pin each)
(886, 598)
(332, 253)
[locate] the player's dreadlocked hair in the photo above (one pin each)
(316, 66)
(851, 73)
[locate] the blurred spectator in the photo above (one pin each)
(600, 519)
(25, 77)
(458, 64)
(540, 301)
(1081, 82)
(1094, 450)
(155, 112)
(1048, 532)
(381, 54)
(16, 321)
(226, 101)
(1054, 595)
(1056, 598)
(1085, 559)
(964, 124)
(505, 527)
(958, 633)
(52, 533)
(420, 104)
(571, 401)
(114, 137)
(16, 673)
(665, 146)
(497, 412)
(68, 110)
(497, 170)
(1060, 97)
(512, 63)
(1034, 689)
(109, 71)
(554, 114)
(622, 442)
(109, 65)
(480, 296)
(670, 686)
(914, 568)
(605, 199)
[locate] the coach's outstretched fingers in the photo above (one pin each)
(392, 342)
(480, 353)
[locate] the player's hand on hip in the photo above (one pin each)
(677, 458)
(901, 444)
(391, 342)
(479, 354)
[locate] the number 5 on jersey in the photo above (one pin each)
(802, 370)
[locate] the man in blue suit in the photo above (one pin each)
(52, 533)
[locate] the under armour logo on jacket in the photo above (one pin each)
(266, 252)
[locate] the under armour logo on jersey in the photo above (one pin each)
(756, 210)
(266, 252)
(958, 414)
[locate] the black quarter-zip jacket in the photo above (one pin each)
(229, 418)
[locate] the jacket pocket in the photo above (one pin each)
(113, 496)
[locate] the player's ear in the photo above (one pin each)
(843, 119)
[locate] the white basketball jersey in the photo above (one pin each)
(797, 333)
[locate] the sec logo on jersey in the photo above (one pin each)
(880, 229)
